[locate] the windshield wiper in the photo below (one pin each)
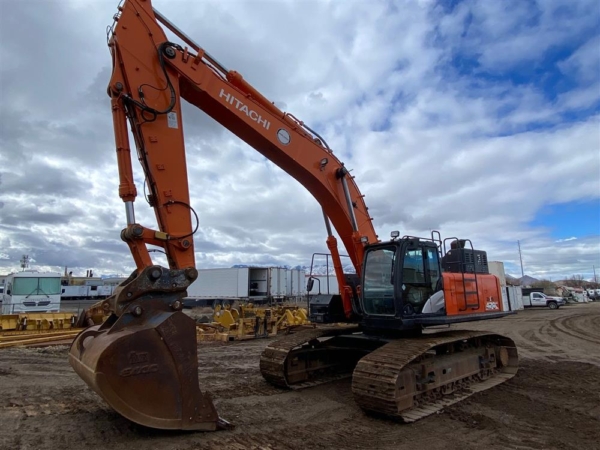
(37, 289)
(31, 293)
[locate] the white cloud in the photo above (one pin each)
(566, 240)
(472, 153)
(585, 62)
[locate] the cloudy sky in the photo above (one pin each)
(480, 119)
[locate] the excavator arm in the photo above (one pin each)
(142, 359)
(150, 77)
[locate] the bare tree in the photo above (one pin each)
(575, 281)
(548, 286)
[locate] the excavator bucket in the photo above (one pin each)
(144, 365)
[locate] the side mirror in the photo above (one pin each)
(310, 284)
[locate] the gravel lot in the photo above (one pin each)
(552, 403)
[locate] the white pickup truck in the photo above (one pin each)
(541, 299)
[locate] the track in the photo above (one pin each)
(448, 367)
(274, 361)
(384, 381)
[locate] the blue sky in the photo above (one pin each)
(477, 118)
(570, 220)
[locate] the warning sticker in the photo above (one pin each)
(492, 306)
(172, 120)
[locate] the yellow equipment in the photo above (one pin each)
(37, 321)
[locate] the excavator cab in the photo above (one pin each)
(399, 277)
(413, 282)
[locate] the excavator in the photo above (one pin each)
(388, 328)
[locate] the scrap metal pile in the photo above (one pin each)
(250, 322)
(226, 324)
(36, 328)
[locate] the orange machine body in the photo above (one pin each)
(471, 294)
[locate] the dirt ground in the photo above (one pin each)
(552, 403)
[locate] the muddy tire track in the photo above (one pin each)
(580, 326)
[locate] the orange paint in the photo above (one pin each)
(457, 303)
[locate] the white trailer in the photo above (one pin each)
(277, 277)
(86, 291)
(250, 284)
(31, 291)
(74, 292)
(296, 285)
(220, 283)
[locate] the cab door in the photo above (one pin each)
(537, 299)
(419, 276)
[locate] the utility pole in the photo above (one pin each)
(24, 262)
(595, 279)
(521, 259)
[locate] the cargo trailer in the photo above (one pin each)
(246, 284)
(296, 284)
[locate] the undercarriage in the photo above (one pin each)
(403, 378)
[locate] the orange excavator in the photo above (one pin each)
(142, 360)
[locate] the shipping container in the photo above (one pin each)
(515, 297)
(497, 268)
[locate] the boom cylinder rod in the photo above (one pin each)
(343, 173)
(188, 40)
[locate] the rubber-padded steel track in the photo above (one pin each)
(274, 357)
(380, 378)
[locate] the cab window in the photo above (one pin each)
(378, 285)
